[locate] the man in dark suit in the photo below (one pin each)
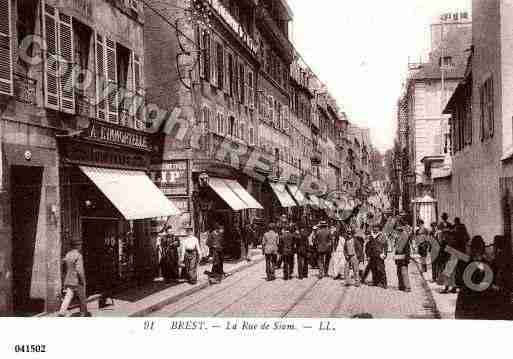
(287, 251)
(302, 249)
(323, 241)
(403, 255)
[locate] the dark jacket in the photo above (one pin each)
(402, 248)
(376, 246)
(302, 242)
(287, 243)
(323, 241)
(215, 240)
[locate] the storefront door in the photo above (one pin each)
(26, 198)
(101, 254)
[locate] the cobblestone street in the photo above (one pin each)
(247, 294)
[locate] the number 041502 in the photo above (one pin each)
(30, 348)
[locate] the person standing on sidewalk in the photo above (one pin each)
(287, 251)
(192, 254)
(423, 245)
(74, 281)
(270, 249)
(302, 248)
(323, 244)
(402, 256)
(215, 243)
(376, 251)
(351, 260)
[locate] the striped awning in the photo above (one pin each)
(297, 195)
(235, 196)
(283, 196)
(133, 194)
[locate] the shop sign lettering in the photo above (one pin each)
(120, 136)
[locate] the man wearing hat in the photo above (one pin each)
(402, 255)
(323, 242)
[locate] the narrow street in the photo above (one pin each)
(247, 294)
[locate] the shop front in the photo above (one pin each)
(221, 197)
(108, 202)
(281, 202)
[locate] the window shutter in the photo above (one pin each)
(227, 78)
(137, 88)
(220, 66)
(242, 80)
(490, 107)
(112, 78)
(101, 81)
(67, 88)
(6, 66)
(235, 85)
(50, 33)
(201, 55)
(213, 62)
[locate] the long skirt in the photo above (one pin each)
(191, 266)
(336, 264)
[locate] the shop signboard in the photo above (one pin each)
(172, 177)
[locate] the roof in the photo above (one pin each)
(458, 42)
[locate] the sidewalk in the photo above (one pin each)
(139, 302)
(445, 303)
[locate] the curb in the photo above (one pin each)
(154, 307)
(431, 299)
(205, 284)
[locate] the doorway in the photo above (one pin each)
(26, 185)
(101, 254)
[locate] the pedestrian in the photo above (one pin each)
(323, 244)
(312, 255)
(351, 259)
(287, 250)
(376, 251)
(74, 280)
(249, 239)
(216, 244)
(191, 254)
(445, 238)
(171, 257)
(423, 245)
(337, 259)
(270, 249)
(479, 297)
(360, 248)
(402, 255)
(434, 236)
(302, 249)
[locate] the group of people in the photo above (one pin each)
(337, 250)
(479, 281)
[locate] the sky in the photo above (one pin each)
(360, 50)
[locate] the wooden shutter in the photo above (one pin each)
(242, 80)
(201, 55)
(213, 62)
(112, 79)
(66, 80)
(101, 80)
(235, 86)
(50, 34)
(6, 67)
(137, 88)
(227, 79)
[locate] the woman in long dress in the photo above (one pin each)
(337, 259)
(191, 256)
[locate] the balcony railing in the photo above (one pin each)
(25, 89)
(265, 17)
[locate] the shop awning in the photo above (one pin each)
(246, 197)
(297, 195)
(132, 192)
(221, 187)
(314, 200)
(284, 197)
